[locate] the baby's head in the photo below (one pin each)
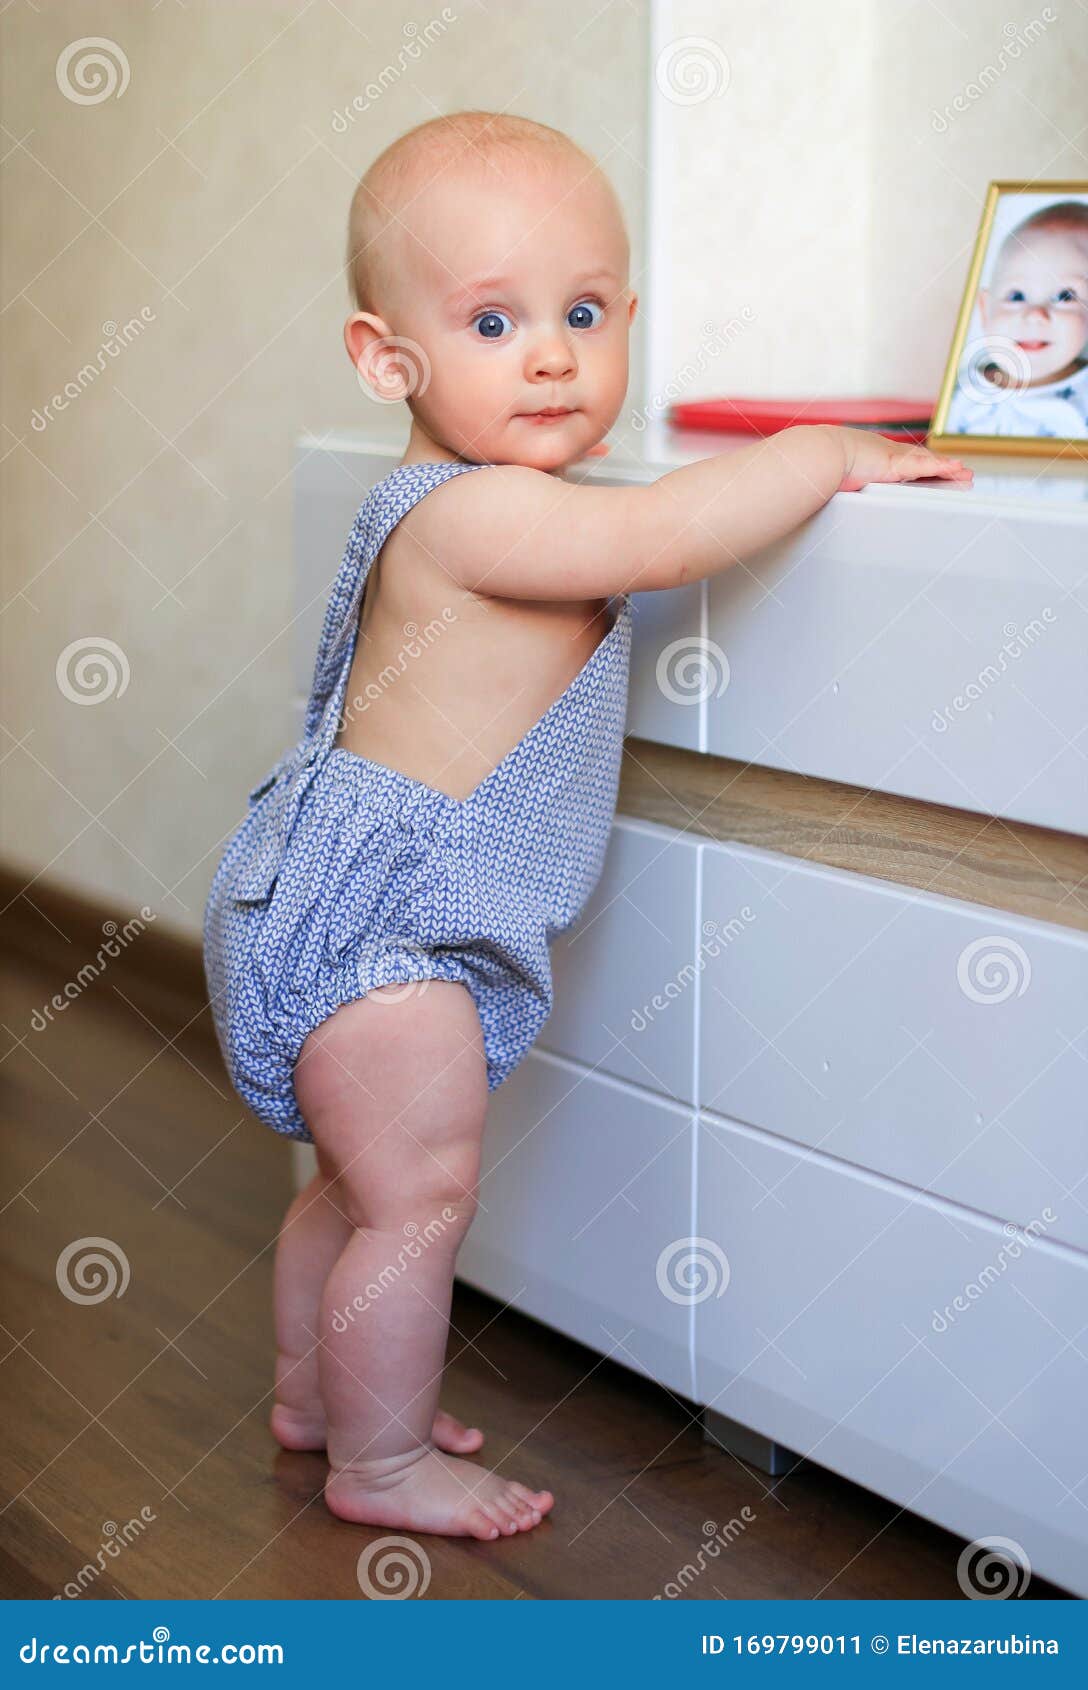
(496, 249)
(1038, 293)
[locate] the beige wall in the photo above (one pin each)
(155, 511)
(205, 205)
(832, 176)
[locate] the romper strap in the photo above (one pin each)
(388, 502)
(280, 793)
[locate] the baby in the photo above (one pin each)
(376, 937)
(1036, 311)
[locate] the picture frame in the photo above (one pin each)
(1005, 390)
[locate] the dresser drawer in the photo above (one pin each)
(919, 1350)
(932, 1040)
(624, 975)
(585, 1184)
(905, 642)
(671, 668)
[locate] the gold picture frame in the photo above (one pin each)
(997, 381)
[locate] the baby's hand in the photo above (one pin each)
(872, 457)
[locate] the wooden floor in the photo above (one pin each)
(121, 1127)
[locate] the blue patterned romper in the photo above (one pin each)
(346, 875)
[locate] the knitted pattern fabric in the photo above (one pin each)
(345, 875)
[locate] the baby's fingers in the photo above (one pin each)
(925, 463)
(951, 469)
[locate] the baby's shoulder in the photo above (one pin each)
(459, 506)
(515, 532)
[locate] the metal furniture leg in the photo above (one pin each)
(748, 1446)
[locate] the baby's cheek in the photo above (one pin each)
(1004, 320)
(1065, 332)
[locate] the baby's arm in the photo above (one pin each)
(518, 533)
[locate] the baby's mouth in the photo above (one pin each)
(551, 413)
(1033, 345)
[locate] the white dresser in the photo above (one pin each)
(807, 1145)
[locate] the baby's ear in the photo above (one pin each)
(361, 327)
(389, 366)
(633, 297)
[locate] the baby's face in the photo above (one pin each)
(1039, 298)
(515, 286)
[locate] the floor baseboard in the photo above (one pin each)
(77, 941)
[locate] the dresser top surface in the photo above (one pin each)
(1031, 485)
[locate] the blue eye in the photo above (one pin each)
(581, 316)
(490, 325)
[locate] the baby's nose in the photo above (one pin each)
(555, 358)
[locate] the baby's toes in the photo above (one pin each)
(500, 1518)
(507, 1513)
(527, 1514)
(454, 1436)
(541, 1500)
(479, 1522)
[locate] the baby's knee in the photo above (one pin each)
(412, 1187)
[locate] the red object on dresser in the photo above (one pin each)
(899, 419)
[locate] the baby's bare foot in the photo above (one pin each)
(428, 1491)
(305, 1429)
(454, 1436)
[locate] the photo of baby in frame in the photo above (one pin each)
(1017, 375)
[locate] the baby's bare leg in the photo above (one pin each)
(312, 1238)
(393, 1089)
